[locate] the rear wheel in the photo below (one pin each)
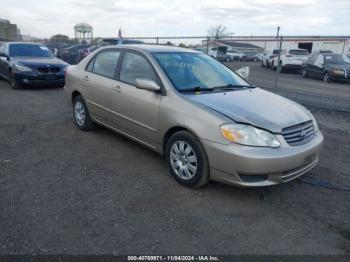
(187, 160)
(81, 114)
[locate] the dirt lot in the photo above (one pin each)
(63, 191)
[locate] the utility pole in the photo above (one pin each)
(278, 35)
(208, 39)
(278, 68)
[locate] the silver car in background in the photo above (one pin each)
(208, 122)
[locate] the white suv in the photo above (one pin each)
(293, 59)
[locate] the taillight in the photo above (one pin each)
(289, 55)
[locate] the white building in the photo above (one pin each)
(337, 44)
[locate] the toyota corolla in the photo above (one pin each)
(208, 122)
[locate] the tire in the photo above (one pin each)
(81, 114)
(228, 59)
(326, 78)
(273, 66)
(191, 159)
(262, 64)
(304, 73)
(13, 83)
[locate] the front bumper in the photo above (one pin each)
(34, 79)
(256, 166)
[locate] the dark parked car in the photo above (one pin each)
(328, 67)
(74, 53)
(250, 56)
(30, 64)
(119, 41)
(57, 48)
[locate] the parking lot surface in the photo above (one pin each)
(64, 191)
(292, 85)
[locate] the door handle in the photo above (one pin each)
(116, 89)
(86, 78)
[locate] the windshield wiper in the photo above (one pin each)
(230, 87)
(196, 89)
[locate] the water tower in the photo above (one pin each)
(83, 32)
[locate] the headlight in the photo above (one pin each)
(249, 135)
(338, 72)
(23, 68)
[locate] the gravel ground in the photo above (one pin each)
(63, 191)
(306, 91)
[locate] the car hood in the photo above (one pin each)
(38, 61)
(255, 107)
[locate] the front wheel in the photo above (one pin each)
(13, 82)
(326, 78)
(81, 114)
(187, 160)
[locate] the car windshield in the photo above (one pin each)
(298, 52)
(335, 58)
(188, 71)
(23, 50)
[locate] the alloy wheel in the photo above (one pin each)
(79, 113)
(183, 160)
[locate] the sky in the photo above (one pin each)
(178, 17)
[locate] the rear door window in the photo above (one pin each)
(105, 63)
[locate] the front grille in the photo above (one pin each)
(298, 134)
(47, 70)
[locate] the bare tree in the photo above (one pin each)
(217, 31)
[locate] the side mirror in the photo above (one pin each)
(146, 84)
(244, 72)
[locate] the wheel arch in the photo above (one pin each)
(75, 93)
(172, 131)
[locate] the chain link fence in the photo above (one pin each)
(313, 70)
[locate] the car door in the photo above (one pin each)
(136, 111)
(99, 80)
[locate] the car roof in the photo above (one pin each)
(152, 48)
(24, 43)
